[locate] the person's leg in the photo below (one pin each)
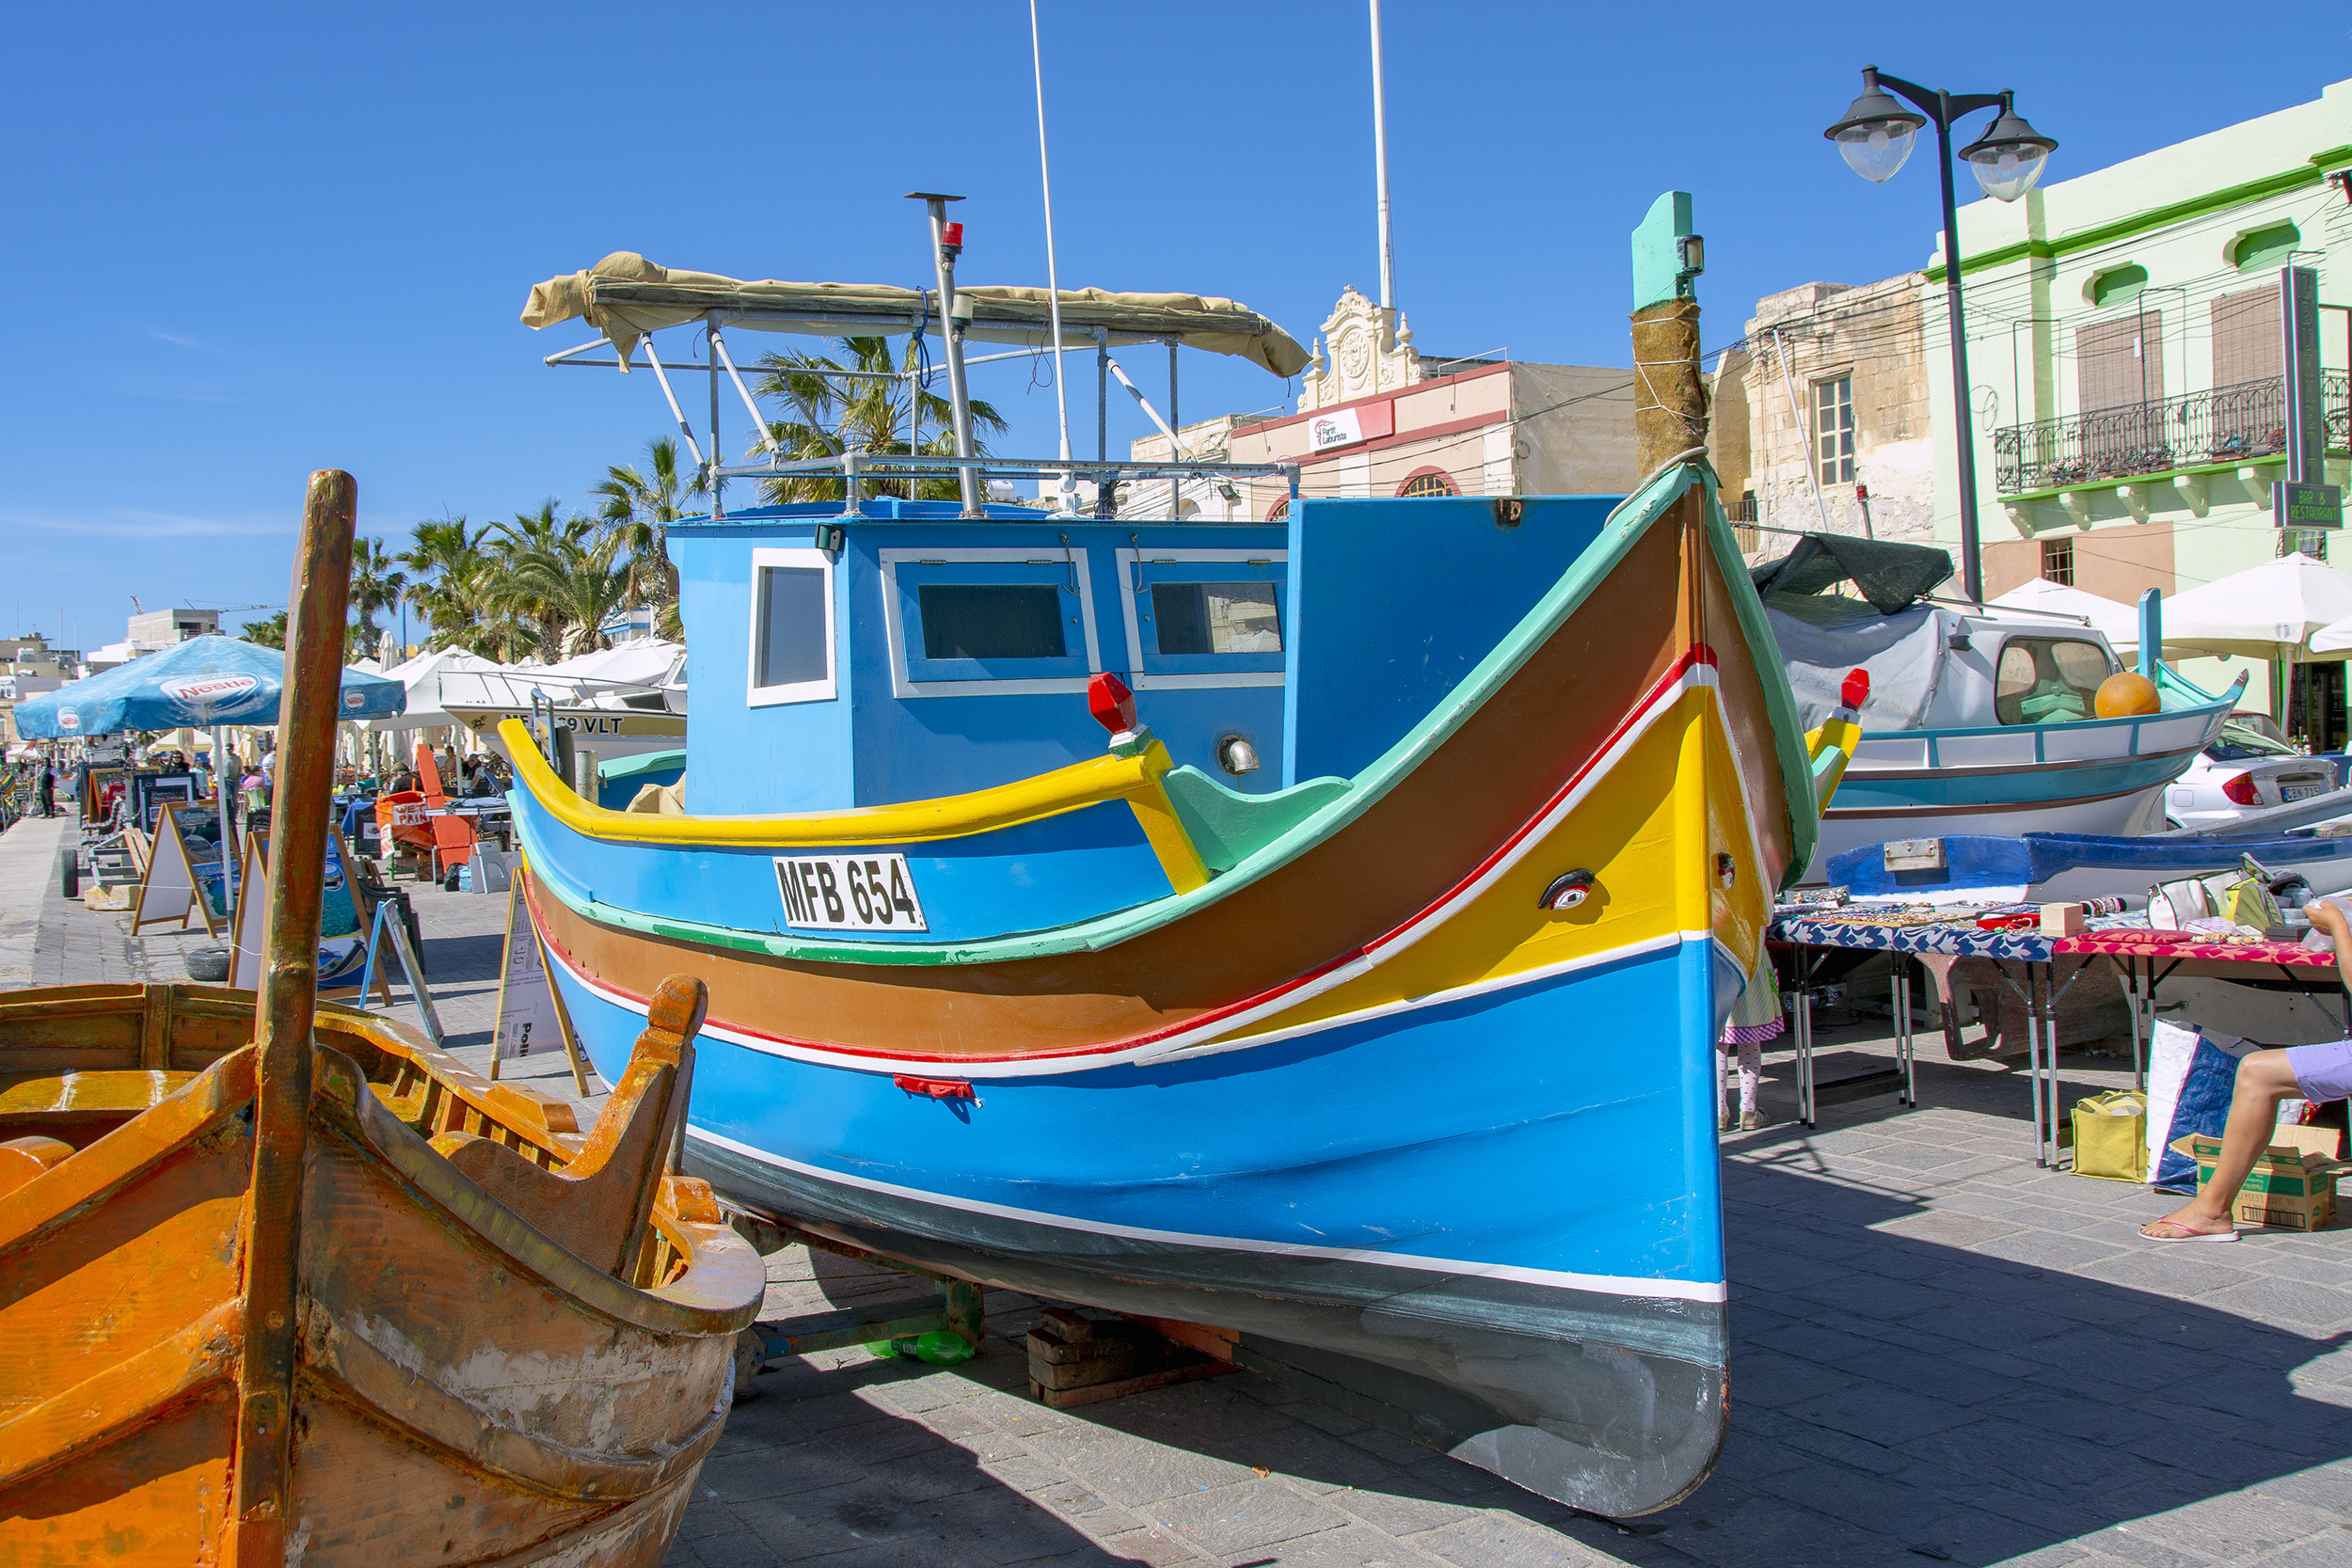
(2263, 1079)
(1751, 1078)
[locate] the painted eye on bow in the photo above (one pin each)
(1567, 893)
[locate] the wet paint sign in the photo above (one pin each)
(849, 893)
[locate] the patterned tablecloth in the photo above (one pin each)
(1974, 941)
(2127, 942)
(1958, 941)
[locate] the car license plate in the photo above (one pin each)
(849, 893)
(2300, 792)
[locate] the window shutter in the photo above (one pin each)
(2246, 341)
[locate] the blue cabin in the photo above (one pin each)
(902, 652)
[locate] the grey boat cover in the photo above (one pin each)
(625, 296)
(1822, 638)
(1822, 635)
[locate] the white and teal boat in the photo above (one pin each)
(1981, 718)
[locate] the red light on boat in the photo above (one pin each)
(2240, 788)
(1857, 691)
(951, 235)
(1110, 702)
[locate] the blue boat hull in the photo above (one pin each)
(2084, 865)
(1541, 1294)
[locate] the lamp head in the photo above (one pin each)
(2010, 154)
(1876, 135)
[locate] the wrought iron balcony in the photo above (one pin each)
(2227, 424)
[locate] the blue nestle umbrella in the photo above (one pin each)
(197, 684)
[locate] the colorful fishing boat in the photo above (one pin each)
(1356, 995)
(1982, 719)
(279, 1283)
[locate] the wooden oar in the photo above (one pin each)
(282, 1015)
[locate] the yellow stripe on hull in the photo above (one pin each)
(1649, 830)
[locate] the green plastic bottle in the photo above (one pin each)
(938, 1348)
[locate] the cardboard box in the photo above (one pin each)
(2292, 1184)
(2061, 920)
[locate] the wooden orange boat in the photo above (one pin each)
(281, 1284)
(512, 1340)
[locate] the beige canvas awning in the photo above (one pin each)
(625, 296)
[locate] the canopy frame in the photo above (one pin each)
(1054, 326)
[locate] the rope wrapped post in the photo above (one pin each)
(283, 1018)
(1669, 394)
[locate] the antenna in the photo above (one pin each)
(1053, 278)
(1380, 163)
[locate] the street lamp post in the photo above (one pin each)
(1875, 136)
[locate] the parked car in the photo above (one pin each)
(2246, 767)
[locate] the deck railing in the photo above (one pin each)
(2225, 424)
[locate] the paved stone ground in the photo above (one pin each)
(1940, 1353)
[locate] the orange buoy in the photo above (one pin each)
(2128, 695)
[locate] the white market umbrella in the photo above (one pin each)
(2118, 623)
(2267, 611)
(422, 676)
(2334, 638)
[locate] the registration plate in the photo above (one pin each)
(2300, 792)
(849, 893)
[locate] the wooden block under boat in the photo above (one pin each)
(514, 1339)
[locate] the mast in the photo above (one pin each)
(282, 1014)
(947, 243)
(1380, 163)
(1053, 277)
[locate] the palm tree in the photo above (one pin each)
(445, 589)
(578, 581)
(458, 569)
(266, 634)
(870, 413)
(555, 542)
(375, 585)
(643, 505)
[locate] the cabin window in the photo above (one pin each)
(2049, 680)
(1204, 617)
(791, 632)
(1217, 618)
(969, 622)
(992, 620)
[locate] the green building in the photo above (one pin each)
(2125, 358)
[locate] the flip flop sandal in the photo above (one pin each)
(2186, 1234)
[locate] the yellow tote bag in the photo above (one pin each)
(2111, 1135)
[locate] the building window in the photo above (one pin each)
(2057, 562)
(1278, 511)
(2247, 348)
(1428, 482)
(1833, 429)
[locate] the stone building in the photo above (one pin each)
(1819, 417)
(1376, 417)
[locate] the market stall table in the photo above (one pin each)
(2142, 957)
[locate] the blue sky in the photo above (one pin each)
(245, 243)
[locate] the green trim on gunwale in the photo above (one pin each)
(1631, 520)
